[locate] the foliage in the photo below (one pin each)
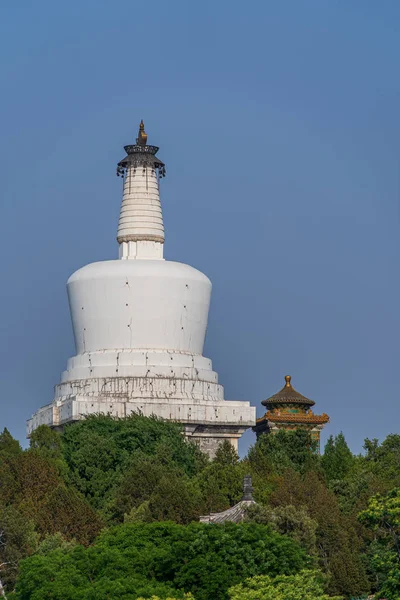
(37, 491)
(46, 441)
(337, 460)
(67, 512)
(201, 559)
(59, 494)
(284, 450)
(221, 486)
(99, 449)
(55, 541)
(162, 487)
(8, 445)
(383, 516)
(141, 514)
(17, 540)
(221, 481)
(304, 585)
(384, 460)
(71, 576)
(339, 547)
(35, 477)
(288, 520)
(226, 455)
(26, 478)
(354, 491)
(187, 596)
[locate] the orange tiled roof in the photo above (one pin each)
(295, 418)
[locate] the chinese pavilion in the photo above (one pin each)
(288, 409)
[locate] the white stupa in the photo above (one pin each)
(139, 325)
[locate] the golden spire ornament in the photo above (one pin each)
(141, 139)
(288, 379)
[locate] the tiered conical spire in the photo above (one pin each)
(140, 227)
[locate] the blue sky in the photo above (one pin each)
(279, 125)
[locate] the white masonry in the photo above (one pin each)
(139, 325)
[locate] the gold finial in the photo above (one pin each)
(141, 139)
(288, 379)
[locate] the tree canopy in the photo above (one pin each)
(201, 559)
(110, 508)
(304, 585)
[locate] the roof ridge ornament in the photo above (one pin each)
(288, 379)
(247, 489)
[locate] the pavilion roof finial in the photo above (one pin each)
(141, 139)
(288, 379)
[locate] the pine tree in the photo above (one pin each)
(337, 459)
(8, 445)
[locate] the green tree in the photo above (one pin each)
(26, 479)
(354, 491)
(73, 575)
(288, 520)
(99, 450)
(338, 544)
(66, 511)
(55, 541)
(202, 559)
(187, 596)
(176, 498)
(18, 539)
(376, 472)
(221, 485)
(284, 450)
(226, 455)
(306, 585)
(8, 445)
(383, 516)
(337, 459)
(9, 486)
(159, 486)
(10, 450)
(47, 441)
(141, 514)
(384, 460)
(139, 481)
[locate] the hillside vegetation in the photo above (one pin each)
(110, 509)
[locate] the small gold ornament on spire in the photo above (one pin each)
(288, 379)
(141, 139)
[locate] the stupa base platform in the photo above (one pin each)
(206, 422)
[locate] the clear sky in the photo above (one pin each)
(279, 125)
